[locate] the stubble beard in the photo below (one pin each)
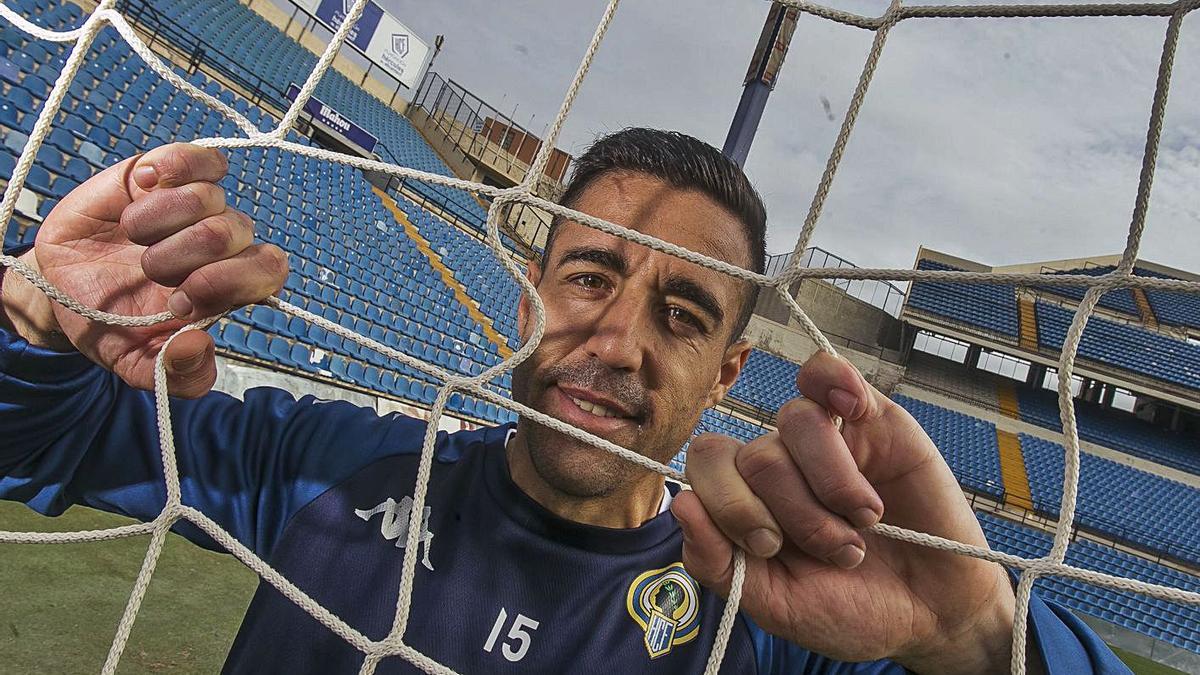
(571, 466)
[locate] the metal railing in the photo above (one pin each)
(468, 122)
(881, 294)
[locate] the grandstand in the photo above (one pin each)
(404, 263)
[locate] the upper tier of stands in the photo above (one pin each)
(1175, 623)
(1141, 508)
(1114, 429)
(1124, 346)
(992, 307)
(968, 444)
(1169, 307)
(767, 382)
(265, 52)
(1130, 347)
(1118, 300)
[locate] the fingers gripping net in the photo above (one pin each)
(393, 644)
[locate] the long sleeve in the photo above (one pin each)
(73, 433)
(1064, 643)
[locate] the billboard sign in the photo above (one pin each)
(380, 37)
(335, 121)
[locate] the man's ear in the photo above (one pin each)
(533, 272)
(731, 366)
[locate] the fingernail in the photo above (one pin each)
(864, 517)
(848, 556)
(844, 403)
(763, 543)
(145, 176)
(179, 304)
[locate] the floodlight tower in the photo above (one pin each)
(760, 80)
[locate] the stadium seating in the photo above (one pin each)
(767, 382)
(1118, 300)
(266, 53)
(968, 444)
(1124, 346)
(1175, 623)
(348, 265)
(1141, 508)
(992, 307)
(1175, 308)
(1144, 509)
(476, 266)
(717, 422)
(1115, 429)
(1170, 307)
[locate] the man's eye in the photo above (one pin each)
(592, 281)
(681, 315)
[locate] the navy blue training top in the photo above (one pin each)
(322, 491)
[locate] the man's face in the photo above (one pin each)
(637, 342)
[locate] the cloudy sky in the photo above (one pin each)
(1004, 141)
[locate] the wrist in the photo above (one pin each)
(27, 311)
(982, 643)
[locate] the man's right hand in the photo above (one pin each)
(150, 234)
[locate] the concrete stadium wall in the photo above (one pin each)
(235, 377)
(791, 342)
(836, 313)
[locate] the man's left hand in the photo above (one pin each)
(799, 500)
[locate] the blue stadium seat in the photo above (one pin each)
(992, 307)
(38, 180)
(235, 337)
(257, 343)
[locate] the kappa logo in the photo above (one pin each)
(666, 603)
(394, 525)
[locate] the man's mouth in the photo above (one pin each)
(593, 408)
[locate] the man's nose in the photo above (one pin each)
(618, 338)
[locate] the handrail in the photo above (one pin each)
(867, 291)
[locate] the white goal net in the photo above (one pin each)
(1052, 564)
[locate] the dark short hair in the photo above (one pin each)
(687, 163)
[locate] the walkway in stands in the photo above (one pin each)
(1027, 319)
(448, 277)
(1006, 395)
(1012, 461)
(1012, 471)
(1143, 305)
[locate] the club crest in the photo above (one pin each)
(400, 44)
(666, 603)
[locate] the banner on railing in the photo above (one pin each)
(381, 37)
(329, 117)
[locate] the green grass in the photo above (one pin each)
(1141, 665)
(61, 602)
